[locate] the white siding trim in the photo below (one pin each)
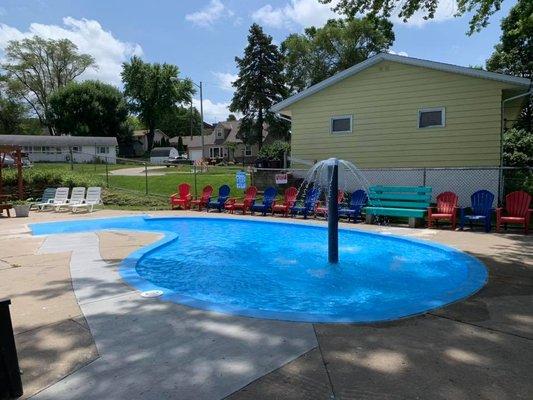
(336, 117)
(441, 109)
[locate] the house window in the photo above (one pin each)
(37, 149)
(101, 150)
(341, 124)
(46, 149)
(76, 149)
(247, 150)
(27, 149)
(431, 117)
(59, 150)
(215, 152)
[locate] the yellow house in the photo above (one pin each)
(395, 111)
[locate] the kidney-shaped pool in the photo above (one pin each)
(280, 270)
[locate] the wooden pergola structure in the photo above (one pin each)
(16, 153)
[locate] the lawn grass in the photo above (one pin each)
(160, 185)
(166, 184)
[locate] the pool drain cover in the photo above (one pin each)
(152, 293)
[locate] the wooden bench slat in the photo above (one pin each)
(399, 196)
(396, 212)
(401, 189)
(399, 204)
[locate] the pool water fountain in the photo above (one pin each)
(328, 176)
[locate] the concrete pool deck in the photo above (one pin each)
(479, 348)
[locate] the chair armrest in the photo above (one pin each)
(499, 212)
(173, 195)
(430, 211)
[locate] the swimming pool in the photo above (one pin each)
(279, 270)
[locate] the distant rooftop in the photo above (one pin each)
(57, 141)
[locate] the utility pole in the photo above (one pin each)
(202, 118)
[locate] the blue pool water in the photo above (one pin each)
(280, 270)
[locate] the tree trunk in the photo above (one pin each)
(150, 138)
(260, 120)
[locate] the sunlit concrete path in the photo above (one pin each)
(154, 350)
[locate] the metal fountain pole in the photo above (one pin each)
(333, 214)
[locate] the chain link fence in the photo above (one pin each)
(148, 178)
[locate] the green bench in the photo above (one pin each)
(398, 201)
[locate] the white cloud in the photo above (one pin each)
(225, 80)
(108, 52)
(445, 11)
(208, 15)
(399, 53)
(295, 15)
(213, 112)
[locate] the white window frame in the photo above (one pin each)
(431, 109)
(247, 150)
(76, 149)
(99, 150)
(337, 117)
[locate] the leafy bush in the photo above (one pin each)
(274, 150)
(135, 201)
(35, 180)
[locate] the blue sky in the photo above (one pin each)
(203, 37)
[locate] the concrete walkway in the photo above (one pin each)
(157, 350)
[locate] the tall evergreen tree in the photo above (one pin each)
(260, 85)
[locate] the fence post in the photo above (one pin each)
(145, 178)
(106, 173)
(424, 177)
(195, 183)
(71, 159)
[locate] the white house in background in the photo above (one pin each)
(160, 155)
(140, 140)
(84, 149)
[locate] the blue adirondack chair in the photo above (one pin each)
(309, 204)
(268, 198)
(480, 210)
(353, 210)
(218, 203)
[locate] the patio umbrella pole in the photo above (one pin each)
(333, 215)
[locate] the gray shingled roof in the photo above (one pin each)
(56, 141)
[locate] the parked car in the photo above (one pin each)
(179, 160)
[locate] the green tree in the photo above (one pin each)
(259, 85)
(518, 148)
(513, 55)
(90, 108)
(37, 67)
(232, 117)
(179, 121)
(481, 10)
(13, 113)
(319, 53)
(153, 90)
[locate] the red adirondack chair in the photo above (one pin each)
(202, 201)
(182, 198)
(446, 209)
(322, 209)
(289, 198)
(516, 209)
(249, 198)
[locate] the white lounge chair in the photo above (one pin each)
(76, 197)
(60, 197)
(93, 198)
